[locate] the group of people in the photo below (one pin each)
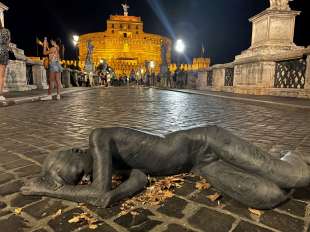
(176, 79)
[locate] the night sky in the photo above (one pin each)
(221, 24)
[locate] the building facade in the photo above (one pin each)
(125, 46)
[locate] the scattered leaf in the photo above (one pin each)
(58, 213)
(155, 194)
(75, 219)
(92, 227)
(256, 212)
(18, 211)
(214, 197)
(202, 185)
(134, 213)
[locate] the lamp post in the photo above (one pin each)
(76, 40)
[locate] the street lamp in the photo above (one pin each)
(76, 40)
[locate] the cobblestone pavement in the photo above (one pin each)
(30, 132)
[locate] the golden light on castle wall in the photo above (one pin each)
(125, 46)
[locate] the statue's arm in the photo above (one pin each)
(80, 193)
(100, 150)
(135, 183)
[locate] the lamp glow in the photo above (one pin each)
(152, 64)
(179, 46)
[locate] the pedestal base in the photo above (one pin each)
(16, 76)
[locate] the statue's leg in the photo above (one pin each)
(249, 189)
(289, 172)
(135, 183)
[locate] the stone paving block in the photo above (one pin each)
(237, 208)
(211, 220)
(248, 227)
(294, 207)
(5, 177)
(61, 224)
(45, 208)
(105, 213)
(28, 171)
(202, 197)
(2, 205)
(177, 228)
(186, 189)
(17, 164)
(282, 222)
(137, 223)
(173, 207)
(7, 157)
(5, 212)
(21, 200)
(40, 230)
(14, 224)
(302, 194)
(102, 227)
(10, 188)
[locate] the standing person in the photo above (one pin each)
(55, 68)
(5, 39)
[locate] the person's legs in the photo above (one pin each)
(2, 74)
(51, 86)
(58, 83)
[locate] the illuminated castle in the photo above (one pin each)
(125, 46)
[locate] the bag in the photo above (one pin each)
(11, 55)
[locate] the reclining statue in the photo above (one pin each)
(231, 165)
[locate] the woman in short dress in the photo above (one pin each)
(55, 68)
(5, 39)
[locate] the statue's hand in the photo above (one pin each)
(35, 186)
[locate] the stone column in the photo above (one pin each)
(39, 76)
(218, 78)
(307, 85)
(66, 78)
(202, 80)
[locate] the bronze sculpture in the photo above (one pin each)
(232, 165)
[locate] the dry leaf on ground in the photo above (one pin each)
(18, 211)
(214, 197)
(202, 185)
(157, 192)
(58, 213)
(91, 221)
(256, 212)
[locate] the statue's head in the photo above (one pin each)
(67, 167)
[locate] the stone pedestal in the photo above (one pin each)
(272, 40)
(16, 76)
(39, 76)
(272, 33)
